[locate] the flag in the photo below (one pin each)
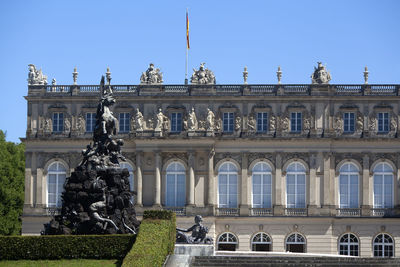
(187, 30)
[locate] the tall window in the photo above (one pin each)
(348, 119)
(262, 122)
(176, 122)
(90, 121)
(348, 186)
(383, 186)
(124, 122)
(383, 122)
(296, 243)
(227, 185)
(296, 185)
(227, 241)
(295, 122)
(261, 242)
(175, 194)
(228, 122)
(125, 165)
(262, 185)
(383, 246)
(58, 122)
(348, 245)
(56, 174)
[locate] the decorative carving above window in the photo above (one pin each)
(392, 126)
(339, 124)
(285, 122)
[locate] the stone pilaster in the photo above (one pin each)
(157, 193)
(211, 182)
(279, 187)
(364, 189)
(244, 203)
(139, 179)
(190, 194)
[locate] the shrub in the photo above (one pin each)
(65, 247)
(156, 239)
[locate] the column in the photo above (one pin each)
(244, 203)
(157, 193)
(190, 194)
(139, 179)
(210, 196)
(279, 194)
(40, 189)
(365, 197)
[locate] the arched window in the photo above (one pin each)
(348, 186)
(175, 194)
(56, 174)
(383, 186)
(227, 185)
(261, 242)
(383, 246)
(125, 165)
(348, 245)
(296, 185)
(296, 243)
(262, 185)
(227, 241)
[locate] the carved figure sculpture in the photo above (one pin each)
(80, 125)
(202, 76)
(47, 125)
(67, 125)
(338, 125)
(151, 76)
(161, 121)
(192, 121)
(36, 77)
(238, 123)
(139, 120)
(210, 120)
(251, 124)
(199, 232)
(272, 124)
(320, 75)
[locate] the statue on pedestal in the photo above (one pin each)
(210, 120)
(320, 75)
(151, 76)
(192, 121)
(36, 77)
(162, 121)
(202, 76)
(198, 236)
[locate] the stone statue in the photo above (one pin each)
(202, 76)
(139, 120)
(210, 120)
(238, 123)
(320, 75)
(36, 77)
(80, 125)
(192, 121)
(48, 125)
(54, 82)
(97, 197)
(199, 232)
(338, 126)
(360, 122)
(284, 123)
(251, 124)
(245, 75)
(272, 124)
(67, 125)
(151, 76)
(161, 121)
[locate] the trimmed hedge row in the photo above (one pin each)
(65, 247)
(156, 239)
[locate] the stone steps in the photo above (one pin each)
(247, 261)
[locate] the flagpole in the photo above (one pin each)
(187, 48)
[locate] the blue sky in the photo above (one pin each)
(227, 35)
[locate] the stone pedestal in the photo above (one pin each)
(184, 253)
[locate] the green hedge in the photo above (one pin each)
(65, 247)
(156, 239)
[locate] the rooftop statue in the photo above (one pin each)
(202, 76)
(199, 232)
(151, 76)
(36, 77)
(320, 75)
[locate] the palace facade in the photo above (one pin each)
(270, 167)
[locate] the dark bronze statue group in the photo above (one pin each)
(97, 197)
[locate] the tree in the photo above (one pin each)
(12, 169)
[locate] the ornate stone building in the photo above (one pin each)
(306, 167)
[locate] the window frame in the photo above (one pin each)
(174, 174)
(262, 173)
(384, 174)
(124, 122)
(383, 245)
(228, 121)
(228, 174)
(296, 174)
(384, 122)
(176, 122)
(296, 121)
(304, 242)
(90, 122)
(262, 123)
(228, 235)
(349, 174)
(57, 173)
(348, 245)
(268, 242)
(59, 126)
(350, 122)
